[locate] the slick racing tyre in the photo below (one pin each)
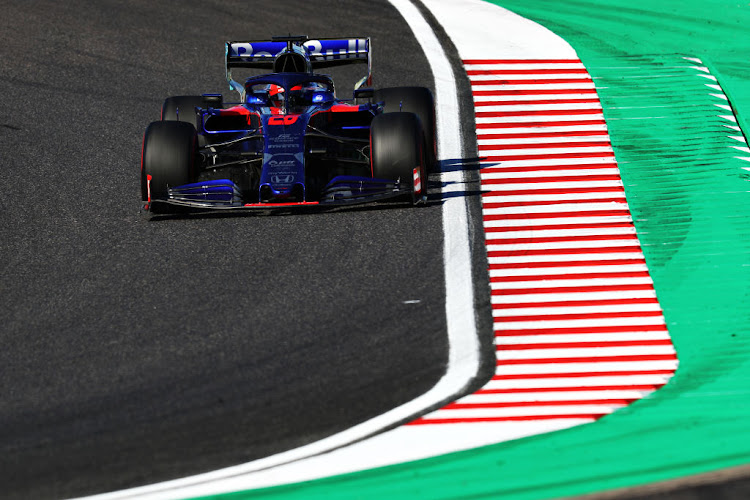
(182, 108)
(417, 100)
(169, 154)
(397, 151)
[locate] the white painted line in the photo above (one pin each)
(558, 208)
(572, 309)
(626, 244)
(550, 220)
(509, 236)
(541, 131)
(521, 397)
(531, 87)
(603, 137)
(568, 233)
(562, 149)
(541, 198)
(592, 367)
(523, 411)
(578, 323)
(593, 259)
(592, 381)
(538, 118)
(509, 354)
(536, 108)
(562, 284)
(541, 78)
(527, 298)
(497, 204)
(542, 162)
(481, 98)
(491, 173)
(563, 338)
(556, 185)
(525, 65)
(565, 270)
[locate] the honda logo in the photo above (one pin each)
(282, 179)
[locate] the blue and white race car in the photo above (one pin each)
(289, 141)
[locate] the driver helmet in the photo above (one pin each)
(276, 95)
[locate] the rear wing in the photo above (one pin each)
(322, 53)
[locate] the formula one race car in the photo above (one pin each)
(289, 141)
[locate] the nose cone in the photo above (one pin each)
(283, 174)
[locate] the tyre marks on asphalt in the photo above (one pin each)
(578, 328)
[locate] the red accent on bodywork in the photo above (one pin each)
(294, 204)
(240, 110)
(345, 108)
(283, 119)
(236, 110)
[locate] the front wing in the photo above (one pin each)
(223, 194)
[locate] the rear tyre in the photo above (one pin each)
(182, 108)
(417, 100)
(397, 141)
(169, 154)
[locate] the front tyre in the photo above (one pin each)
(397, 152)
(417, 100)
(168, 159)
(182, 108)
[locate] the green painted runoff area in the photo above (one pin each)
(689, 198)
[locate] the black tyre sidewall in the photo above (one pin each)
(397, 148)
(182, 108)
(417, 100)
(169, 153)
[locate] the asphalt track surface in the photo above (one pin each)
(137, 350)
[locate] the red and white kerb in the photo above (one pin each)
(579, 332)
